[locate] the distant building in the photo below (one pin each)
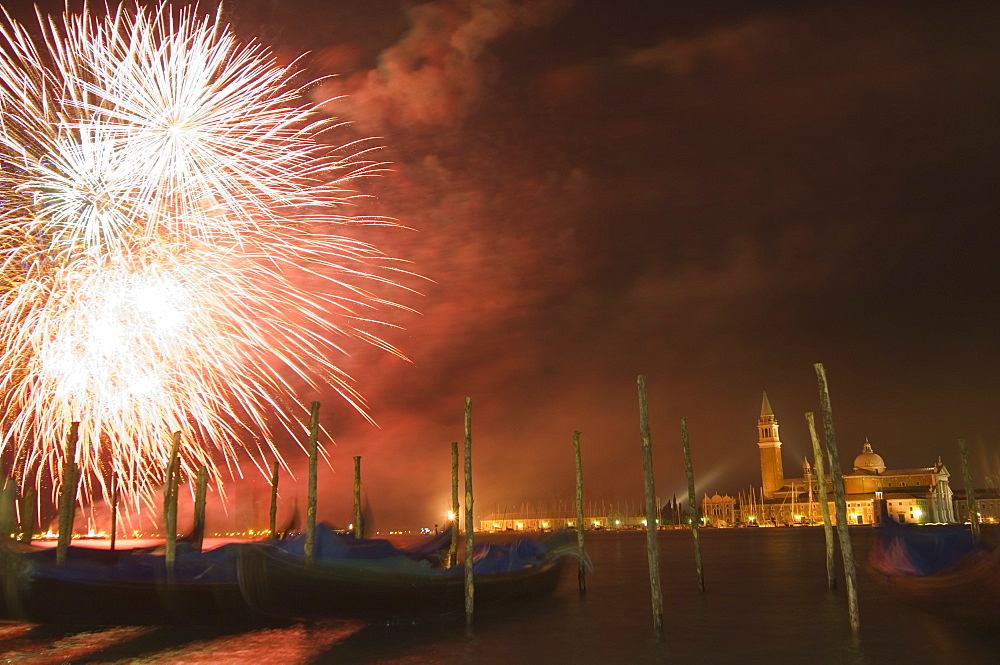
(555, 520)
(918, 495)
(910, 495)
(987, 505)
(718, 511)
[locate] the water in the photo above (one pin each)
(766, 601)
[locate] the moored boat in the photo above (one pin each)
(96, 587)
(938, 569)
(278, 582)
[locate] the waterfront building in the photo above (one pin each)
(911, 495)
(718, 510)
(546, 520)
(987, 505)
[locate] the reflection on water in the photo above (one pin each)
(300, 643)
(37, 645)
(766, 601)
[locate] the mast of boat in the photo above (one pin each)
(762, 499)
(795, 492)
(810, 497)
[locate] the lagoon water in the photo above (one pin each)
(766, 601)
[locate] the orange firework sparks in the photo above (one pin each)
(163, 191)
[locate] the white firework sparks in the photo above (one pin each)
(162, 186)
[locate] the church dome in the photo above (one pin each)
(869, 460)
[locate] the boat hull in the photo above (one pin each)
(280, 584)
(968, 592)
(90, 589)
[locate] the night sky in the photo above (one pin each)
(716, 197)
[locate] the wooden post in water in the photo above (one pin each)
(470, 589)
(581, 574)
(453, 549)
(67, 495)
(831, 574)
(359, 529)
(170, 488)
(309, 551)
(28, 515)
(200, 491)
(652, 548)
(846, 548)
(8, 510)
(273, 522)
(970, 492)
(692, 500)
(115, 498)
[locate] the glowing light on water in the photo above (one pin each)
(164, 199)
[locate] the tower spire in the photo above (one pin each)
(771, 471)
(765, 407)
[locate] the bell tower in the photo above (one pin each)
(772, 474)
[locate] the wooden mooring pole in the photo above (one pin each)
(359, 528)
(652, 548)
(273, 515)
(846, 548)
(67, 495)
(28, 501)
(309, 549)
(818, 466)
(693, 504)
(200, 495)
(581, 574)
(470, 589)
(453, 548)
(8, 509)
(170, 491)
(115, 498)
(970, 492)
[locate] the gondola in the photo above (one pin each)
(940, 570)
(122, 587)
(278, 582)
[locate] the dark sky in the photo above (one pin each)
(716, 197)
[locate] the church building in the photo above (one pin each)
(911, 495)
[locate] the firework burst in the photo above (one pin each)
(163, 192)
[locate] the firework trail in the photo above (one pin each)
(163, 193)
